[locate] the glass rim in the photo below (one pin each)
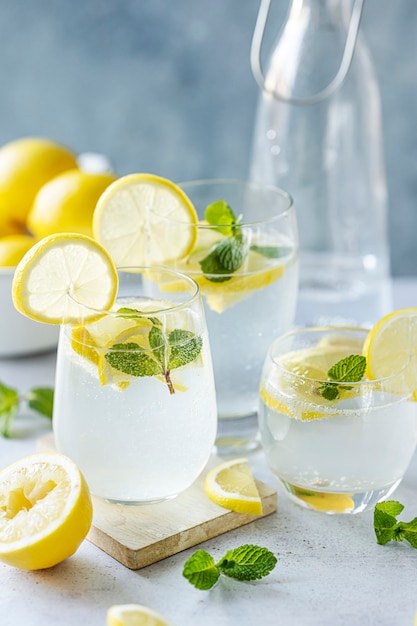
(209, 182)
(331, 329)
(194, 296)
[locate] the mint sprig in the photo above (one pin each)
(247, 562)
(228, 255)
(351, 369)
(165, 353)
(388, 528)
(39, 399)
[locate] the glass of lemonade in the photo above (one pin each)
(134, 400)
(337, 447)
(245, 262)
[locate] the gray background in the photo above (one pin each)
(165, 86)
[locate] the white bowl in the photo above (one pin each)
(20, 335)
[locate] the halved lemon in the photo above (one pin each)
(130, 221)
(232, 485)
(64, 278)
(134, 615)
(45, 511)
(391, 347)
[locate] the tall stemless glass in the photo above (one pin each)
(334, 447)
(134, 400)
(248, 276)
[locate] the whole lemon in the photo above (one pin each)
(25, 166)
(13, 247)
(67, 202)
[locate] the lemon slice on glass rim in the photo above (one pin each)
(65, 278)
(391, 347)
(130, 221)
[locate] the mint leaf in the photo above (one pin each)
(247, 562)
(349, 370)
(387, 528)
(409, 531)
(385, 520)
(157, 342)
(128, 313)
(41, 400)
(9, 404)
(219, 213)
(232, 252)
(226, 257)
(131, 359)
(201, 571)
(329, 391)
(270, 252)
(213, 269)
(185, 347)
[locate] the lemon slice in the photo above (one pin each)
(45, 511)
(60, 276)
(129, 220)
(390, 346)
(231, 485)
(134, 615)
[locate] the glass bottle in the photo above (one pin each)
(318, 135)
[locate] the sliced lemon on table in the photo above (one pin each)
(45, 511)
(390, 347)
(65, 278)
(130, 221)
(134, 615)
(232, 485)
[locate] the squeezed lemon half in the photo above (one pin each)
(45, 511)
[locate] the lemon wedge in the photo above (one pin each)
(45, 511)
(129, 220)
(232, 485)
(390, 347)
(134, 615)
(60, 276)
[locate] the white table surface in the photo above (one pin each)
(330, 570)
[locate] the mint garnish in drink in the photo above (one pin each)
(247, 562)
(348, 370)
(166, 352)
(228, 255)
(39, 399)
(388, 528)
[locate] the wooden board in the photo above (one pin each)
(140, 535)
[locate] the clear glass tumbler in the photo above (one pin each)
(135, 400)
(334, 447)
(247, 270)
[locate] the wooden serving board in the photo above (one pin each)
(137, 536)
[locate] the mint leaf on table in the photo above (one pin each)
(247, 562)
(39, 399)
(351, 369)
(9, 404)
(388, 528)
(228, 255)
(201, 571)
